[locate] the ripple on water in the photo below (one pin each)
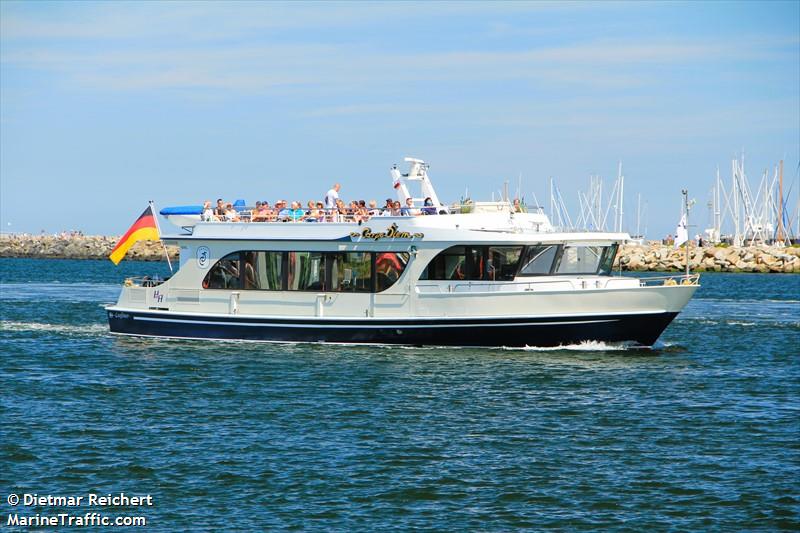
(697, 433)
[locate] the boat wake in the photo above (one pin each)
(587, 346)
(61, 292)
(85, 329)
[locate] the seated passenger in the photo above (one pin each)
(362, 213)
(518, 207)
(281, 211)
(315, 212)
(311, 212)
(319, 212)
(262, 212)
(272, 214)
(208, 213)
(373, 209)
(340, 211)
(409, 210)
(231, 215)
(219, 211)
(429, 208)
(296, 213)
(396, 211)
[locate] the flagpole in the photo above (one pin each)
(688, 237)
(158, 227)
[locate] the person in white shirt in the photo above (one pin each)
(331, 196)
(208, 213)
(373, 209)
(409, 210)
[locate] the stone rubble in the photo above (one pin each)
(655, 257)
(78, 247)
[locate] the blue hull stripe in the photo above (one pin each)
(361, 325)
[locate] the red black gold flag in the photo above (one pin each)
(144, 229)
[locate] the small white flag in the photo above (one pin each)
(682, 232)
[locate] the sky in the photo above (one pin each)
(106, 105)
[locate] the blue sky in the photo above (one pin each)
(106, 105)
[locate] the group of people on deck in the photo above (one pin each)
(331, 209)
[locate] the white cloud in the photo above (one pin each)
(250, 67)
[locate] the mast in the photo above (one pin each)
(638, 214)
(717, 209)
(688, 237)
(737, 237)
(620, 196)
(780, 204)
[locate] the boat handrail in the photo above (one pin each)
(144, 281)
(600, 282)
(519, 286)
(675, 279)
(328, 216)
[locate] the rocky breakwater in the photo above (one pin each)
(659, 258)
(652, 257)
(78, 247)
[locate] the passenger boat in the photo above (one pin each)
(474, 275)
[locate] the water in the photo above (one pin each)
(701, 433)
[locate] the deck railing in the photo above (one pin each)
(553, 283)
(682, 279)
(325, 215)
(144, 281)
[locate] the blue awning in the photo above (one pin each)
(182, 210)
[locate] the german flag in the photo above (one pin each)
(144, 229)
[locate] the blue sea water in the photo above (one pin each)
(700, 433)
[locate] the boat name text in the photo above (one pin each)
(391, 233)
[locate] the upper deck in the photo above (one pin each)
(473, 222)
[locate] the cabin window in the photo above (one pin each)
(448, 264)
(263, 270)
(351, 271)
(538, 260)
(306, 271)
(607, 264)
(493, 263)
(389, 266)
(579, 259)
(224, 274)
(502, 262)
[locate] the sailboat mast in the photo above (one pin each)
(780, 204)
(621, 196)
(638, 214)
